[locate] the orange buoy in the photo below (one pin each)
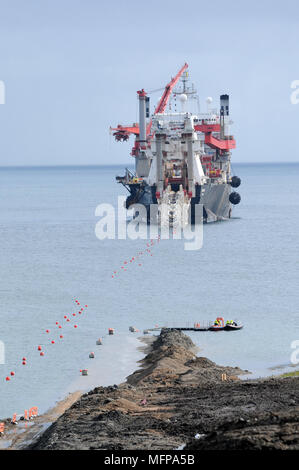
(32, 412)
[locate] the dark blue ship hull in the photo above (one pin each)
(213, 197)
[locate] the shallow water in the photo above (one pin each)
(247, 269)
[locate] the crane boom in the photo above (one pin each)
(168, 90)
(123, 132)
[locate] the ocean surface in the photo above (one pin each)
(50, 257)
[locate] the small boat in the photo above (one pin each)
(233, 326)
(218, 325)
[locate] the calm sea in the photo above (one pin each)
(246, 269)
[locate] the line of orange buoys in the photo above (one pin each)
(58, 326)
(67, 318)
(136, 259)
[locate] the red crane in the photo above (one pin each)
(123, 132)
(168, 90)
(166, 95)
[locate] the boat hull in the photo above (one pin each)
(214, 198)
(233, 327)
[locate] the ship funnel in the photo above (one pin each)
(224, 116)
(224, 105)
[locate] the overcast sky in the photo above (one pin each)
(71, 69)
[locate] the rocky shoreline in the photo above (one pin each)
(174, 397)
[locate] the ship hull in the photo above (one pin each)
(215, 200)
(213, 197)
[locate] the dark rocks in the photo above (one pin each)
(184, 396)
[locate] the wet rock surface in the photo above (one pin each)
(175, 396)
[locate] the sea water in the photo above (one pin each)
(247, 269)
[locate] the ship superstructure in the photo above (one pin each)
(182, 156)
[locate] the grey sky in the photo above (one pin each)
(71, 69)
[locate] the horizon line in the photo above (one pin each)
(90, 165)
